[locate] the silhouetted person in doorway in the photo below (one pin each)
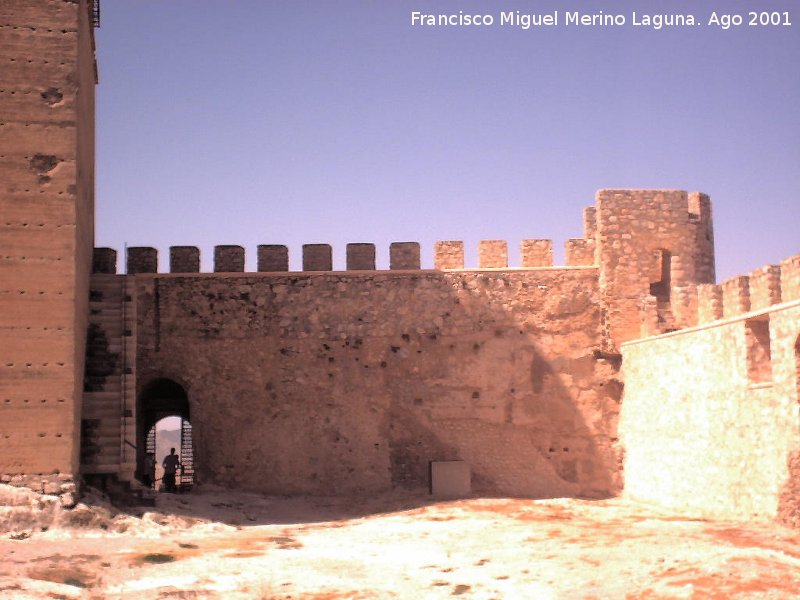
(171, 465)
(149, 475)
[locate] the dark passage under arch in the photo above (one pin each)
(159, 399)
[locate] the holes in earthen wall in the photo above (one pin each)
(759, 356)
(52, 96)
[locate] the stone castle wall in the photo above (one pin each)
(352, 382)
(357, 380)
(710, 414)
(650, 243)
(46, 233)
(323, 382)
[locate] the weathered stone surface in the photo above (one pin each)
(104, 260)
(184, 259)
(449, 255)
(639, 229)
(354, 383)
(141, 260)
(735, 296)
(228, 259)
(404, 255)
(317, 257)
(493, 254)
(580, 252)
(537, 253)
(272, 257)
(765, 287)
(360, 257)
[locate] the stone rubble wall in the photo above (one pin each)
(61, 485)
(353, 383)
(561, 365)
(635, 231)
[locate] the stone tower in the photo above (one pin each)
(47, 97)
(653, 247)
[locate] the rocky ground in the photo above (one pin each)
(214, 544)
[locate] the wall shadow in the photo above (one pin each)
(349, 384)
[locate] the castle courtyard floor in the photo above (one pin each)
(218, 545)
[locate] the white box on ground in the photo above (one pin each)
(450, 479)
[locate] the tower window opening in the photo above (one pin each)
(660, 276)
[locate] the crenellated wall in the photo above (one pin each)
(352, 382)
(449, 255)
(356, 380)
(711, 413)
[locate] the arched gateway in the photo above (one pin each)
(161, 399)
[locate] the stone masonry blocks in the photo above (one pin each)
(709, 302)
(632, 225)
(141, 259)
(184, 259)
(649, 316)
(493, 254)
(684, 305)
(104, 260)
(228, 259)
(537, 253)
(589, 222)
(449, 255)
(790, 278)
(273, 258)
(736, 296)
(579, 252)
(699, 205)
(360, 257)
(765, 287)
(404, 255)
(317, 257)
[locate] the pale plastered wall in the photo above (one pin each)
(700, 437)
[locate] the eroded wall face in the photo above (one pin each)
(351, 383)
(705, 430)
(46, 203)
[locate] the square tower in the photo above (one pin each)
(47, 144)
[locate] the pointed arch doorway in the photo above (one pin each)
(164, 422)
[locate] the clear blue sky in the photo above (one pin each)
(262, 121)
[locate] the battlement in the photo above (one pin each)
(762, 288)
(759, 290)
(273, 258)
(643, 243)
(653, 251)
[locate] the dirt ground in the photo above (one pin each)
(215, 544)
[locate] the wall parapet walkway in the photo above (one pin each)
(698, 304)
(274, 258)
